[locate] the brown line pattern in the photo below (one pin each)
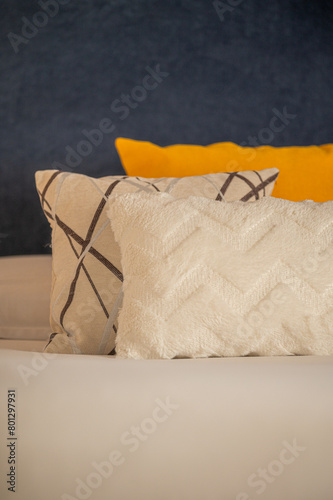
(254, 190)
(91, 250)
(84, 245)
(149, 183)
(51, 337)
(225, 186)
(90, 281)
(97, 215)
(45, 200)
(76, 237)
(261, 180)
(72, 289)
(47, 185)
(48, 215)
(260, 186)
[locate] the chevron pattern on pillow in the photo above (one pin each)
(209, 279)
(87, 275)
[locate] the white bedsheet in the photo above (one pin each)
(175, 430)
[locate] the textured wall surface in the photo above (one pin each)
(224, 67)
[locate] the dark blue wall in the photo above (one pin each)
(226, 73)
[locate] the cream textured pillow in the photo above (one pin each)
(87, 276)
(223, 279)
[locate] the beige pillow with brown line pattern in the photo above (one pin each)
(86, 273)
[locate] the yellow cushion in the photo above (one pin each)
(305, 172)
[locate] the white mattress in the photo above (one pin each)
(228, 420)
